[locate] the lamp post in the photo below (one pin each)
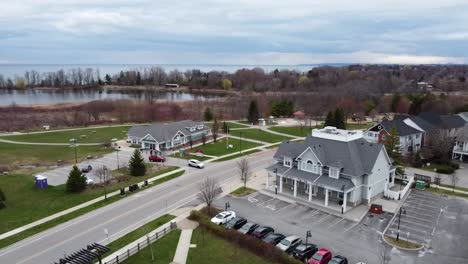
(118, 149)
(73, 144)
(343, 205)
(105, 181)
(227, 206)
(308, 234)
(402, 210)
(276, 177)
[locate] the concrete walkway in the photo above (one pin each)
(62, 130)
(280, 134)
(185, 238)
(448, 189)
(250, 140)
(47, 144)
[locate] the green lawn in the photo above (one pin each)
(219, 148)
(294, 130)
(242, 191)
(446, 192)
(102, 135)
(212, 249)
(235, 125)
(441, 168)
(358, 126)
(163, 250)
(136, 234)
(188, 156)
(258, 134)
(245, 153)
(14, 154)
(26, 204)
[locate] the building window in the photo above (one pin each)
(334, 173)
(287, 162)
(417, 135)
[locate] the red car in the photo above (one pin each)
(322, 256)
(157, 158)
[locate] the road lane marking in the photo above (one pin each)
(351, 227)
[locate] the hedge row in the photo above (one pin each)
(256, 246)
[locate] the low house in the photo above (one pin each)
(160, 136)
(410, 134)
(460, 150)
(451, 124)
(333, 165)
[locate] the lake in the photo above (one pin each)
(33, 97)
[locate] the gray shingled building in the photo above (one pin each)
(332, 165)
(160, 136)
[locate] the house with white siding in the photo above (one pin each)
(161, 136)
(460, 150)
(332, 166)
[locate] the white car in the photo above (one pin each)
(289, 243)
(196, 163)
(88, 180)
(223, 217)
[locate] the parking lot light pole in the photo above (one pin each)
(73, 140)
(402, 210)
(308, 234)
(227, 206)
(118, 149)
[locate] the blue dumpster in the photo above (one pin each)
(41, 182)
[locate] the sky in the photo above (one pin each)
(249, 32)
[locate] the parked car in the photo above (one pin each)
(235, 223)
(322, 256)
(289, 243)
(157, 158)
(262, 231)
(339, 260)
(223, 217)
(88, 180)
(196, 163)
(248, 228)
(86, 169)
(304, 252)
(273, 238)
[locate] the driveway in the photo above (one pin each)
(363, 241)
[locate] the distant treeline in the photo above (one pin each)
(354, 80)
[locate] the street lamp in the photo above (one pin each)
(402, 210)
(276, 177)
(73, 144)
(308, 234)
(343, 205)
(227, 206)
(118, 149)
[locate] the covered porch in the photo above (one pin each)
(319, 190)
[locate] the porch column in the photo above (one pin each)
(295, 187)
(310, 192)
(267, 180)
(326, 197)
(280, 184)
(345, 198)
(393, 178)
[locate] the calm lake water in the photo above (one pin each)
(32, 97)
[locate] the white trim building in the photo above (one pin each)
(160, 136)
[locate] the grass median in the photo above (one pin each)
(244, 153)
(58, 200)
(260, 135)
(242, 191)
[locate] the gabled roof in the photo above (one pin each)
(402, 128)
(356, 157)
(464, 115)
(462, 134)
(164, 131)
(443, 121)
(422, 123)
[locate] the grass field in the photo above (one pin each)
(102, 135)
(245, 153)
(352, 126)
(14, 154)
(293, 130)
(219, 148)
(26, 204)
(189, 156)
(137, 233)
(212, 249)
(164, 250)
(242, 191)
(446, 192)
(235, 125)
(258, 134)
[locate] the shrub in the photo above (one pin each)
(76, 180)
(250, 243)
(2, 199)
(136, 165)
(446, 170)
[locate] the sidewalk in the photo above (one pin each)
(78, 207)
(184, 245)
(448, 189)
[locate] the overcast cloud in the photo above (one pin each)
(233, 32)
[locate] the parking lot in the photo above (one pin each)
(342, 236)
(420, 214)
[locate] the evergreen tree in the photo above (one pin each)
(208, 115)
(108, 79)
(2, 199)
(136, 164)
(391, 145)
(340, 118)
(253, 114)
(330, 119)
(138, 78)
(76, 180)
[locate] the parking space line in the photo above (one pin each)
(265, 201)
(283, 207)
(336, 222)
(425, 196)
(412, 228)
(421, 239)
(419, 218)
(351, 227)
(315, 213)
(417, 224)
(419, 214)
(423, 200)
(419, 204)
(418, 208)
(321, 219)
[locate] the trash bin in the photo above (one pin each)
(41, 182)
(420, 185)
(376, 208)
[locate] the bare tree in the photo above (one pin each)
(244, 170)
(104, 176)
(453, 180)
(215, 129)
(203, 138)
(209, 189)
(439, 146)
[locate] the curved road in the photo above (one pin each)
(125, 215)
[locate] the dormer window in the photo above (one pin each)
(287, 162)
(334, 173)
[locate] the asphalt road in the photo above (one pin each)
(125, 215)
